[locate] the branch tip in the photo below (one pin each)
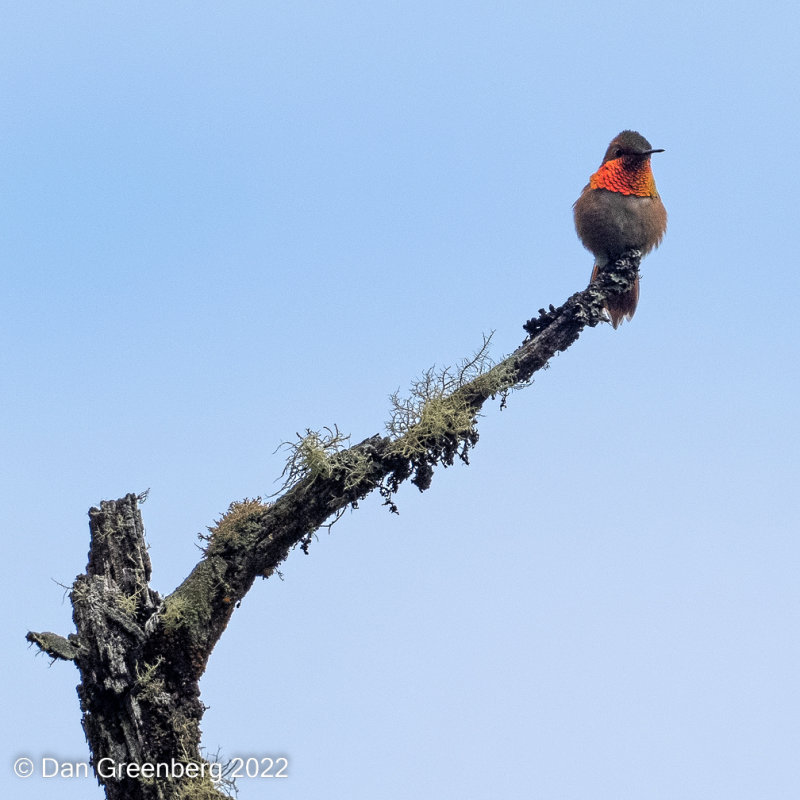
(55, 646)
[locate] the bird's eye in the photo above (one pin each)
(618, 152)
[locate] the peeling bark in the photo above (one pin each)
(140, 656)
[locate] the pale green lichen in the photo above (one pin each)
(150, 686)
(353, 466)
(189, 606)
(311, 456)
(437, 417)
(80, 590)
(438, 404)
(499, 380)
(200, 789)
(176, 611)
(127, 603)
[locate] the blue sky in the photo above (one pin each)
(223, 224)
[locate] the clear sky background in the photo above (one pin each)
(224, 223)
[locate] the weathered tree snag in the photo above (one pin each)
(140, 657)
(140, 704)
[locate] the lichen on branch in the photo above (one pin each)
(432, 408)
(56, 646)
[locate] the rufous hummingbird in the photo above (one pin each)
(618, 210)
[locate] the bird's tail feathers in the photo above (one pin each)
(619, 306)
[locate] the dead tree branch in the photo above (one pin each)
(140, 656)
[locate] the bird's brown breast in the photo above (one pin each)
(609, 223)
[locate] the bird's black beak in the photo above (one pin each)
(650, 152)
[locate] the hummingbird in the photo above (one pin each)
(620, 209)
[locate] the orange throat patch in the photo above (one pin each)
(616, 176)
